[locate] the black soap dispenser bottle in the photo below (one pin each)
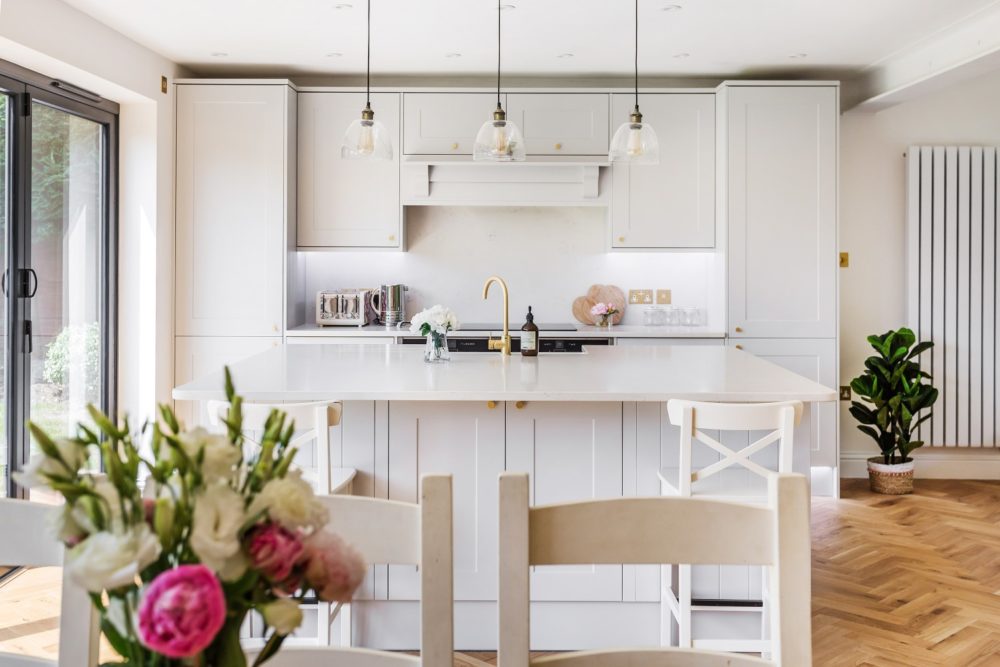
(529, 336)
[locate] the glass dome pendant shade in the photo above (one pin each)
(499, 140)
(366, 139)
(635, 142)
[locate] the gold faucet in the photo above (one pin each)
(504, 343)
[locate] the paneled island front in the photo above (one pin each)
(588, 425)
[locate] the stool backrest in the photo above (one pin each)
(27, 541)
(694, 417)
(672, 530)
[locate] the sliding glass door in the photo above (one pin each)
(6, 108)
(59, 258)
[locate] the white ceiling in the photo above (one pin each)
(421, 37)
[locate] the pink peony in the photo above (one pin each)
(274, 551)
(333, 568)
(181, 611)
(599, 309)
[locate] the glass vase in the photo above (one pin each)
(436, 349)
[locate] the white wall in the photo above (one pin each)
(54, 39)
(872, 219)
(547, 256)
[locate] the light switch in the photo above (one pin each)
(663, 297)
(640, 296)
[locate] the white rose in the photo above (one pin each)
(215, 525)
(283, 615)
(291, 502)
(220, 454)
(35, 473)
(107, 560)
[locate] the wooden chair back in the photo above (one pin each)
(694, 417)
(397, 533)
(28, 542)
(671, 530)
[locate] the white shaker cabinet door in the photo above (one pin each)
(781, 176)
(232, 198)
(815, 359)
(465, 440)
(561, 123)
(571, 451)
(444, 123)
(198, 356)
(670, 204)
(343, 202)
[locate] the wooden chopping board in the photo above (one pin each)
(599, 294)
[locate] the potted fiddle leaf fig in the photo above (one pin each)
(894, 396)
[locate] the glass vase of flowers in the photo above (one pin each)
(434, 323)
(604, 314)
(173, 566)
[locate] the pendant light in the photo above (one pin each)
(367, 138)
(635, 142)
(498, 139)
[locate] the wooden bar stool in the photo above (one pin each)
(733, 477)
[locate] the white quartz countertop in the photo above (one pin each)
(399, 373)
(620, 331)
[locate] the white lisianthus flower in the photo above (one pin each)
(291, 502)
(36, 473)
(107, 560)
(119, 615)
(220, 454)
(111, 507)
(439, 318)
(215, 525)
(283, 615)
(65, 526)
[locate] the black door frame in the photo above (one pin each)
(27, 87)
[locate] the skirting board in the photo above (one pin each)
(937, 463)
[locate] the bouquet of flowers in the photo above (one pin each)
(435, 323)
(603, 312)
(174, 568)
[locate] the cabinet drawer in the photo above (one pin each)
(444, 123)
(561, 123)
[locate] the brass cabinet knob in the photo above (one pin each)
(454, 146)
(392, 237)
(491, 404)
(738, 347)
(621, 239)
(274, 327)
(739, 329)
(520, 405)
(558, 147)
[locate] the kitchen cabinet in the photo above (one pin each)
(561, 123)
(235, 163)
(815, 359)
(341, 202)
(571, 451)
(465, 440)
(197, 356)
(780, 194)
(444, 123)
(670, 204)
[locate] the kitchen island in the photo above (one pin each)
(589, 425)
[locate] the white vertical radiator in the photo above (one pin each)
(952, 288)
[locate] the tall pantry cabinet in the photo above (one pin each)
(235, 224)
(778, 193)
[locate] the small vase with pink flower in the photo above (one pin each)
(604, 314)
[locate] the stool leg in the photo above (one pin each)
(765, 616)
(684, 602)
(346, 636)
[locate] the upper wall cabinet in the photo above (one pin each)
(235, 166)
(781, 195)
(670, 204)
(561, 123)
(444, 123)
(346, 203)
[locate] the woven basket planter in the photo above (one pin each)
(893, 480)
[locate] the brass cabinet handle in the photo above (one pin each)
(520, 405)
(454, 146)
(738, 347)
(739, 329)
(491, 404)
(558, 147)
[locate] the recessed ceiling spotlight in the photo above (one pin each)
(565, 55)
(219, 54)
(334, 54)
(672, 8)
(798, 56)
(682, 55)
(343, 5)
(453, 55)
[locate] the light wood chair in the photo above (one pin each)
(735, 477)
(657, 531)
(397, 533)
(26, 542)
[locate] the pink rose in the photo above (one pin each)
(333, 568)
(181, 611)
(599, 309)
(274, 551)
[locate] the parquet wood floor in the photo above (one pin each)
(909, 581)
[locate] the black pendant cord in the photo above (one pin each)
(499, 10)
(368, 75)
(636, 55)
